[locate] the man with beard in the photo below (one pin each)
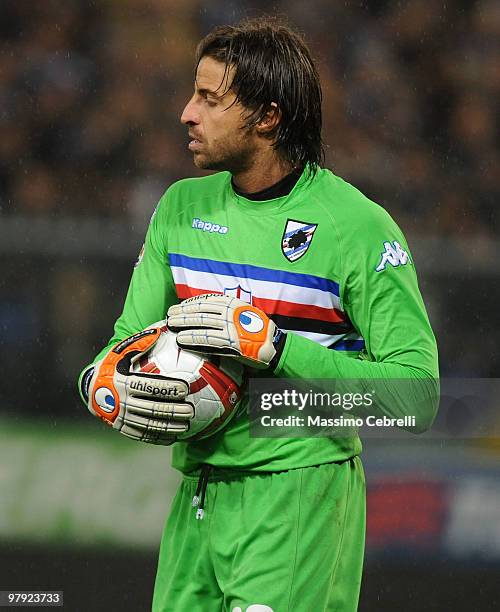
(284, 266)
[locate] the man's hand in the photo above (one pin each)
(223, 325)
(145, 407)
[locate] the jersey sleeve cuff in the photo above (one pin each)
(279, 368)
(84, 382)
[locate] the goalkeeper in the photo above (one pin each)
(330, 285)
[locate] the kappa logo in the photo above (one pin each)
(208, 226)
(297, 238)
(394, 255)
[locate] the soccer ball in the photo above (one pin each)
(214, 382)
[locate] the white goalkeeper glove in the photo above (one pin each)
(223, 325)
(146, 407)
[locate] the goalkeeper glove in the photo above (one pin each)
(146, 407)
(223, 325)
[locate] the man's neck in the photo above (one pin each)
(262, 175)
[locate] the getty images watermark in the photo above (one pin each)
(299, 401)
(459, 408)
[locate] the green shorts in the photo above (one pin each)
(268, 542)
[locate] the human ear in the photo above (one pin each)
(270, 121)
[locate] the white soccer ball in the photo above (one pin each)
(214, 382)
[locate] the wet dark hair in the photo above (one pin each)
(272, 63)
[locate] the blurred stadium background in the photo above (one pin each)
(90, 98)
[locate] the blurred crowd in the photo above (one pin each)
(91, 94)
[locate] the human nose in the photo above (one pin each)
(189, 114)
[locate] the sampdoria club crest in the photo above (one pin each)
(297, 238)
(239, 292)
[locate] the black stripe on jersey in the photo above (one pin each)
(347, 344)
(312, 325)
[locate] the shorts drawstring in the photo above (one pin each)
(201, 488)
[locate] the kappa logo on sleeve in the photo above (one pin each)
(394, 255)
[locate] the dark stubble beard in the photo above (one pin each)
(234, 161)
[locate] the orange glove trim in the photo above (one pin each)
(252, 326)
(104, 386)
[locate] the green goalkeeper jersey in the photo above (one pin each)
(327, 264)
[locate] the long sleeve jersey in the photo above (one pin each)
(327, 264)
